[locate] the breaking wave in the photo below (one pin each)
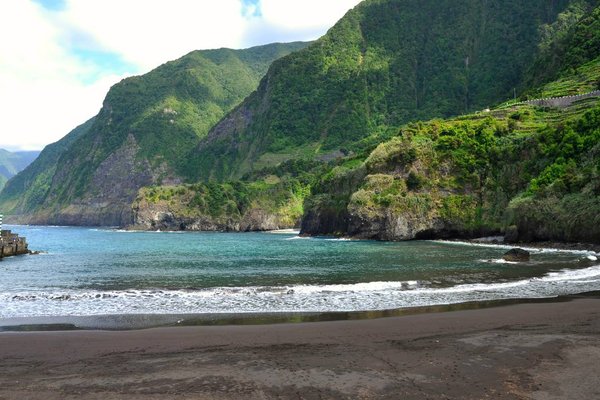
(293, 298)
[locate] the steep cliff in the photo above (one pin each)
(527, 172)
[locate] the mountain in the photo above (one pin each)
(385, 63)
(528, 170)
(140, 137)
(372, 131)
(28, 189)
(12, 163)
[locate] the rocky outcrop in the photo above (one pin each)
(324, 221)
(516, 255)
(160, 216)
(391, 226)
(571, 218)
(113, 188)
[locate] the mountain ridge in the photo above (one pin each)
(13, 162)
(146, 125)
(331, 138)
(357, 79)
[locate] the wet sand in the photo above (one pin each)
(522, 351)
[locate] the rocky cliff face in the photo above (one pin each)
(113, 187)
(160, 216)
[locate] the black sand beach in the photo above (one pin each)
(524, 351)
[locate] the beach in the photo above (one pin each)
(546, 350)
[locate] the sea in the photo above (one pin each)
(104, 271)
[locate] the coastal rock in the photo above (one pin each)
(516, 255)
(257, 219)
(392, 226)
(165, 217)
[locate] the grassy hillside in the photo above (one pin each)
(385, 63)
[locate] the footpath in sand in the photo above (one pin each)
(524, 351)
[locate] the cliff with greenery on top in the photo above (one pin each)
(531, 173)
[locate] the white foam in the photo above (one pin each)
(360, 296)
(508, 247)
(498, 261)
(285, 231)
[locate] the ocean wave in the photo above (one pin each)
(530, 249)
(285, 231)
(498, 261)
(299, 238)
(291, 298)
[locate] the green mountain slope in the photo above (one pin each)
(385, 63)
(532, 173)
(566, 45)
(28, 189)
(524, 170)
(529, 172)
(12, 163)
(145, 127)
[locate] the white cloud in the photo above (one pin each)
(151, 32)
(305, 14)
(41, 94)
(47, 87)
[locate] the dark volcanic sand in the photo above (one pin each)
(525, 351)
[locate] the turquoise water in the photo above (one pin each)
(102, 271)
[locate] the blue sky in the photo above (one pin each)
(60, 57)
(55, 5)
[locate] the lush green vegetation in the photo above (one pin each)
(334, 131)
(229, 202)
(566, 45)
(167, 111)
(384, 64)
(28, 190)
(478, 173)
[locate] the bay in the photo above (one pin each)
(84, 271)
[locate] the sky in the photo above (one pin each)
(58, 58)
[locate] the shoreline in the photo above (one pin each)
(133, 322)
(545, 350)
(491, 241)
